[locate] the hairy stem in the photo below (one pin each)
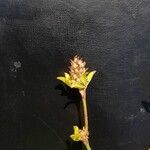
(83, 95)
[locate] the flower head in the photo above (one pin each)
(78, 76)
(80, 135)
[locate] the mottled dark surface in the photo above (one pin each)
(37, 39)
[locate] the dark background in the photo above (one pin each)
(37, 39)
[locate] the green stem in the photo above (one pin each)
(87, 146)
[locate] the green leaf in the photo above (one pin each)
(67, 76)
(84, 79)
(61, 79)
(68, 82)
(90, 76)
(77, 85)
(76, 136)
(65, 80)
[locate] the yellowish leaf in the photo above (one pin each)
(77, 85)
(61, 79)
(84, 79)
(68, 82)
(65, 80)
(67, 76)
(76, 136)
(90, 76)
(76, 129)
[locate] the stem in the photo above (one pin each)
(87, 146)
(83, 95)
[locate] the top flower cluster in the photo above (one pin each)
(78, 76)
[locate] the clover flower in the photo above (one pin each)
(78, 76)
(80, 135)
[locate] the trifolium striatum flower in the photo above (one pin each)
(78, 76)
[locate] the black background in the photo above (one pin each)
(37, 39)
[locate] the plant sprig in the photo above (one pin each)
(79, 77)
